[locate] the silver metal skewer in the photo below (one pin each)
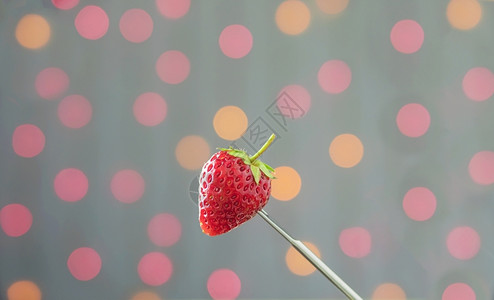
(313, 259)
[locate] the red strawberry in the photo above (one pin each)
(233, 187)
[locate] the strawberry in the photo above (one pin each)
(233, 187)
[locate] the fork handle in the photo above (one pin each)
(313, 259)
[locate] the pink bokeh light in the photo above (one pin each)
(458, 291)
(65, 4)
(136, 25)
(71, 184)
(463, 242)
(413, 120)
(297, 102)
(155, 268)
(150, 109)
(84, 263)
(164, 230)
(235, 41)
(92, 22)
(173, 67)
(51, 83)
(407, 36)
(355, 242)
(28, 140)
(75, 111)
(419, 203)
(481, 167)
(15, 219)
(334, 76)
(127, 186)
(224, 284)
(173, 9)
(478, 84)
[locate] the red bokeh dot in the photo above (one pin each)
(235, 41)
(407, 36)
(173, 67)
(92, 22)
(478, 84)
(74, 111)
(224, 284)
(481, 168)
(84, 263)
(28, 140)
(355, 242)
(51, 83)
(15, 219)
(65, 4)
(173, 9)
(293, 101)
(458, 291)
(150, 109)
(136, 25)
(419, 204)
(155, 268)
(127, 186)
(164, 230)
(334, 76)
(463, 242)
(413, 120)
(71, 185)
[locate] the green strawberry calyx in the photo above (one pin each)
(256, 166)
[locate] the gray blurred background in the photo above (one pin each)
(111, 72)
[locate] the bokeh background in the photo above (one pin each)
(384, 154)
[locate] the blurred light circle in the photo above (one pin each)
(388, 291)
(419, 204)
(464, 14)
(458, 291)
(230, 122)
(297, 264)
(173, 9)
(413, 120)
(192, 152)
(224, 284)
(71, 185)
(346, 150)
(478, 84)
(155, 268)
(28, 140)
(127, 186)
(287, 184)
(92, 22)
(145, 295)
(136, 25)
(23, 290)
(75, 111)
(65, 4)
(15, 219)
(334, 76)
(173, 67)
(33, 31)
(164, 230)
(235, 41)
(355, 242)
(407, 36)
(292, 17)
(150, 109)
(332, 7)
(51, 83)
(293, 101)
(463, 242)
(84, 263)
(481, 167)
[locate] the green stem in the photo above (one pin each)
(263, 148)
